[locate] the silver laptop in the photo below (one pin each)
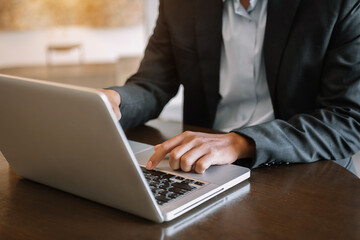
(67, 137)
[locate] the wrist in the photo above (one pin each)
(246, 146)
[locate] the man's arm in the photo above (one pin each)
(332, 131)
(146, 93)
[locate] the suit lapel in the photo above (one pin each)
(209, 38)
(280, 16)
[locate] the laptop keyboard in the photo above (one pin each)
(168, 187)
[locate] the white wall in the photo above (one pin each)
(151, 13)
(100, 45)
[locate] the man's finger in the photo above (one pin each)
(189, 159)
(156, 158)
(203, 163)
(162, 149)
(117, 112)
(177, 153)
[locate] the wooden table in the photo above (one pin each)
(96, 75)
(304, 201)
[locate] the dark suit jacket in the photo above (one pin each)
(312, 58)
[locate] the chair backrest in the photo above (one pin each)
(53, 49)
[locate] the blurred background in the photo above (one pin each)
(97, 43)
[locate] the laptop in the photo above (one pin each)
(68, 137)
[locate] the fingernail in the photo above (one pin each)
(149, 165)
(156, 146)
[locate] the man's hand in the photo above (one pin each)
(114, 99)
(198, 151)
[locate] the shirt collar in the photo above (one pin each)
(237, 5)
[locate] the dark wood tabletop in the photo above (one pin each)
(300, 201)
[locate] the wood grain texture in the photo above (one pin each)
(300, 201)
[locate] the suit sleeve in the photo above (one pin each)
(332, 131)
(146, 93)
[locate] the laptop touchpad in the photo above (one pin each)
(138, 147)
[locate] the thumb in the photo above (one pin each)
(117, 112)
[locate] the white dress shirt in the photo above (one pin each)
(243, 84)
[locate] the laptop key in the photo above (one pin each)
(174, 195)
(167, 176)
(164, 187)
(183, 186)
(163, 192)
(178, 190)
(157, 173)
(160, 202)
(167, 183)
(187, 181)
(154, 184)
(163, 198)
(179, 178)
(199, 183)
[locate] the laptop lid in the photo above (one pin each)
(68, 138)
